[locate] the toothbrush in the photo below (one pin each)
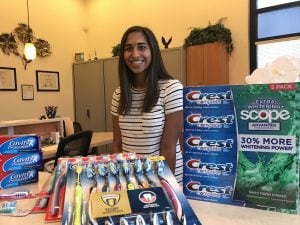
(155, 219)
(9, 208)
(16, 195)
(138, 169)
(103, 171)
(115, 171)
(55, 199)
(92, 175)
(123, 221)
(126, 172)
(174, 199)
(78, 197)
(140, 220)
(147, 168)
(168, 218)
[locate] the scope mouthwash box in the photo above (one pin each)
(268, 123)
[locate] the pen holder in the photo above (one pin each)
(50, 111)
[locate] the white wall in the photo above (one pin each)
(108, 19)
(96, 25)
(61, 24)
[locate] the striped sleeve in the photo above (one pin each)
(115, 102)
(173, 96)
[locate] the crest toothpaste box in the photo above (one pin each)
(212, 121)
(209, 166)
(18, 178)
(11, 162)
(14, 144)
(210, 143)
(208, 97)
(212, 190)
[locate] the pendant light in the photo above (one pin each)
(29, 49)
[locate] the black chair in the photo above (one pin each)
(76, 144)
(77, 127)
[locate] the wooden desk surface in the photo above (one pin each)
(98, 139)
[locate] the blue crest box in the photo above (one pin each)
(210, 143)
(208, 97)
(210, 121)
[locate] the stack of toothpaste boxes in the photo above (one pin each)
(20, 160)
(210, 144)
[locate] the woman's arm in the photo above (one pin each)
(117, 139)
(172, 131)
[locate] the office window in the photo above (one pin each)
(268, 3)
(274, 30)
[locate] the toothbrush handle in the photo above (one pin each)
(78, 203)
(55, 198)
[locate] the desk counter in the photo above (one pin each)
(98, 139)
(208, 213)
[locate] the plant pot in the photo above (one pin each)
(207, 64)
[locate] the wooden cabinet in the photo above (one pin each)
(207, 64)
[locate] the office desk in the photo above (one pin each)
(98, 139)
(208, 213)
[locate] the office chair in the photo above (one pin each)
(77, 127)
(76, 144)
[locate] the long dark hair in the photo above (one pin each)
(155, 72)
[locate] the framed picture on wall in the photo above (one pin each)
(8, 79)
(79, 57)
(27, 92)
(47, 80)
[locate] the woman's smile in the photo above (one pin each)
(137, 53)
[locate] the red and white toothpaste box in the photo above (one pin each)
(14, 144)
(18, 178)
(11, 162)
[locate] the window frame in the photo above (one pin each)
(253, 34)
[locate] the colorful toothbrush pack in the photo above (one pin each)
(118, 189)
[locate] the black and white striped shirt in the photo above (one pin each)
(142, 132)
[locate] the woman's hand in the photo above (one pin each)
(117, 139)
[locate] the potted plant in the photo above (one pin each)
(207, 55)
(116, 50)
(210, 34)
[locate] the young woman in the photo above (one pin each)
(147, 107)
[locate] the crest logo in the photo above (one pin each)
(147, 197)
(110, 199)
